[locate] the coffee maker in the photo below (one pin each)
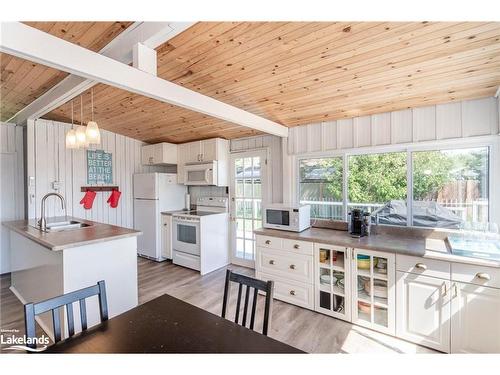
(359, 223)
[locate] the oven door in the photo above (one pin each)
(186, 236)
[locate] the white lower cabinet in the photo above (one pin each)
(475, 319)
(423, 310)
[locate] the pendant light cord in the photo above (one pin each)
(81, 110)
(92, 101)
(72, 111)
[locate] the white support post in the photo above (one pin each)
(144, 58)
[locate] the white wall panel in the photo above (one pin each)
(11, 185)
(329, 134)
(479, 117)
(401, 126)
(345, 136)
(443, 121)
(449, 120)
(424, 124)
(362, 131)
(53, 162)
(381, 129)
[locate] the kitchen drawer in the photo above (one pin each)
(292, 292)
(186, 260)
(478, 275)
(298, 247)
(269, 242)
(423, 266)
(283, 264)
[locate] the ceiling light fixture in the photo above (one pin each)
(92, 132)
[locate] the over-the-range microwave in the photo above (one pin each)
(201, 173)
(291, 218)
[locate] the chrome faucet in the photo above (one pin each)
(42, 223)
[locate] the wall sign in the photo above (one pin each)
(99, 167)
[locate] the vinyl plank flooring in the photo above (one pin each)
(301, 328)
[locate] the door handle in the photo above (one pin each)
(445, 290)
(296, 246)
(455, 290)
(271, 262)
(292, 266)
(421, 266)
(268, 242)
(292, 292)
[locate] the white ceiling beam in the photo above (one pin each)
(151, 34)
(145, 59)
(31, 44)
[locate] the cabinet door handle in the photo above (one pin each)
(292, 266)
(421, 266)
(292, 292)
(268, 242)
(455, 290)
(445, 290)
(483, 276)
(296, 246)
(271, 262)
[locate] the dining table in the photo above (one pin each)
(169, 325)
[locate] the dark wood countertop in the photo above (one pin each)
(391, 243)
(56, 241)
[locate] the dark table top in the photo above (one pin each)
(169, 325)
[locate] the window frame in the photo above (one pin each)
(491, 142)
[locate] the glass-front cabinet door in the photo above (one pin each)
(333, 281)
(373, 290)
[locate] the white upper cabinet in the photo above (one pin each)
(160, 153)
(209, 149)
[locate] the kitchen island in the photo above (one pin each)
(48, 264)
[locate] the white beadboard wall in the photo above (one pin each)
(11, 186)
(274, 144)
(463, 119)
(49, 161)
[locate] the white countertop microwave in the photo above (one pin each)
(285, 217)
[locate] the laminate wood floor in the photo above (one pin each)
(301, 328)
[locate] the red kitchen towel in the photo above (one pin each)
(114, 198)
(88, 199)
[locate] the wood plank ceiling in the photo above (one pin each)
(23, 81)
(298, 73)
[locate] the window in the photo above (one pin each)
(320, 186)
(376, 180)
(450, 187)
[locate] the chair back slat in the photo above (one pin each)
(254, 306)
(71, 319)
(56, 320)
(245, 307)
(257, 285)
(66, 301)
(238, 304)
(83, 314)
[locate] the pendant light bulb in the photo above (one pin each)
(71, 139)
(93, 134)
(81, 138)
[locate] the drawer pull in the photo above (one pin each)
(483, 276)
(296, 246)
(268, 242)
(292, 266)
(292, 292)
(421, 266)
(271, 262)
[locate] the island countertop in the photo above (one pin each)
(65, 239)
(399, 244)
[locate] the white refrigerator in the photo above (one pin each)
(154, 193)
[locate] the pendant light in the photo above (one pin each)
(71, 134)
(92, 132)
(81, 138)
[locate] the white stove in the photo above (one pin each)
(200, 237)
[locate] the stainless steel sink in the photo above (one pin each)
(66, 225)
